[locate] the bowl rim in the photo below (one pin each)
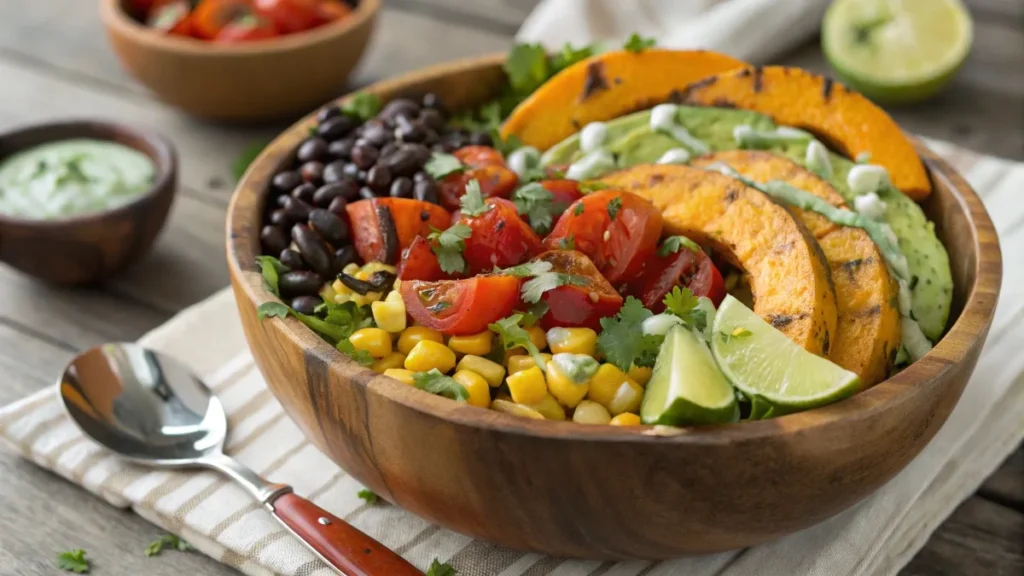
(115, 17)
(164, 157)
(961, 338)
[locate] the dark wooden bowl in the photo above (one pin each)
(601, 491)
(90, 247)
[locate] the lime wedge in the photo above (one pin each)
(896, 51)
(764, 364)
(686, 386)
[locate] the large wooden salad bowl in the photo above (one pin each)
(601, 491)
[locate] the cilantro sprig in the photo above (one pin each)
(534, 288)
(170, 541)
(437, 383)
(513, 335)
(622, 341)
(441, 165)
(674, 244)
(271, 269)
(637, 43)
(537, 203)
(472, 202)
(449, 245)
(438, 568)
(73, 561)
(614, 205)
(369, 496)
(362, 105)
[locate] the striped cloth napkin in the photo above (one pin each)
(877, 536)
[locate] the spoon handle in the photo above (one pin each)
(337, 542)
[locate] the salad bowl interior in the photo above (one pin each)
(603, 491)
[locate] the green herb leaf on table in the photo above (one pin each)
(619, 339)
(568, 243)
(438, 568)
(271, 269)
(167, 541)
(437, 383)
(272, 309)
(449, 245)
(369, 495)
(241, 163)
(637, 43)
(361, 105)
(361, 356)
(472, 202)
(514, 336)
(73, 561)
(534, 288)
(614, 205)
(441, 165)
(538, 204)
(674, 244)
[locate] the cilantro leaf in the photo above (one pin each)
(614, 205)
(169, 541)
(472, 202)
(570, 55)
(567, 243)
(514, 336)
(535, 313)
(449, 245)
(673, 244)
(361, 356)
(441, 569)
(246, 157)
(637, 43)
(650, 346)
(272, 309)
(437, 383)
(361, 105)
(578, 209)
(682, 303)
(534, 288)
(526, 67)
(528, 269)
(73, 561)
(271, 268)
(441, 165)
(618, 339)
(506, 145)
(339, 321)
(369, 495)
(537, 203)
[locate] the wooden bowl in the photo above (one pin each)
(600, 491)
(89, 247)
(258, 80)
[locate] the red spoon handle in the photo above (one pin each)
(339, 543)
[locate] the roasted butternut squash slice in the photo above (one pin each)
(845, 120)
(787, 272)
(607, 86)
(868, 328)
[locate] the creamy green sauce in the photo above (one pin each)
(72, 177)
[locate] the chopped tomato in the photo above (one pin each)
(332, 10)
(461, 307)
(289, 15)
(383, 227)
(249, 27)
(480, 156)
(564, 193)
(211, 16)
(617, 230)
(583, 301)
(171, 17)
(500, 238)
(684, 268)
(420, 263)
(495, 181)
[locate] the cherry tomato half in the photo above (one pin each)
(500, 238)
(209, 17)
(495, 181)
(461, 307)
(174, 17)
(289, 15)
(617, 230)
(248, 27)
(693, 270)
(583, 302)
(420, 263)
(480, 156)
(383, 227)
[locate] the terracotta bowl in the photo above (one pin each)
(600, 491)
(259, 80)
(90, 247)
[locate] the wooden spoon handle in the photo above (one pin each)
(337, 542)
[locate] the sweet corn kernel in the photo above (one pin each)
(375, 266)
(401, 375)
(563, 387)
(514, 409)
(479, 390)
(374, 340)
(493, 372)
(537, 337)
(478, 344)
(365, 299)
(351, 268)
(395, 295)
(414, 334)
(572, 340)
(389, 316)
(589, 412)
(640, 374)
(520, 362)
(393, 360)
(527, 386)
(613, 389)
(549, 408)
(427, 355)
(626, 419)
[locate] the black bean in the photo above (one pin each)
(285, 181)
(313, 249)
(432, 119)
(425, 191)
(364, 156)
(314, 148)
(376, 133)
(273, 239)
(280, 199)
(421, 176)
(296, 210)
(481, 139)
(280, 217)
(299, 283)
(291, 259)
(409, 130)
(336, 128)
(421, 152)
(388, 149)
(401, 187)
(341, 148)
(431, 100)
(398, 107)
(327, 112)
(344, 256)
(353, 171)
(334, 171)
(403, 162)
(329, 226)
(312, 172)
(306, 304)
(431, 138)
(367, 193)
(379, 178)
(304, 192)
(338, 206)
(344, 188)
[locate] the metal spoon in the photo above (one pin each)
(151, 409)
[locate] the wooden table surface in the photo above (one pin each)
(55, 63)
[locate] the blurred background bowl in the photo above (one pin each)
(257, 80)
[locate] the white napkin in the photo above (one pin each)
(875, 537)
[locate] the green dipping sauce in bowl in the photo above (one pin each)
(71, 177)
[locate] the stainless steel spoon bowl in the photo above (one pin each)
(151, 409)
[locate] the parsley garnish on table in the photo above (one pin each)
(472, 202)
(167, 541)
(73, 561)
(637, 43)
(622, 341)
(369, 496)
(537, 203)
(514, 336)
(448, 245)
(438, 568)
(437, 383)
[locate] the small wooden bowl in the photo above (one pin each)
(89, 247)
(258, 80)
(601, 491)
